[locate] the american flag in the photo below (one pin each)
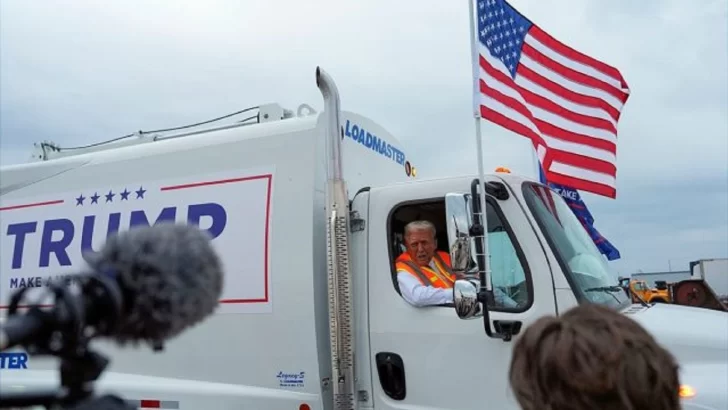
(567, 103)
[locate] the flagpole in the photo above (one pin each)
(475, 57)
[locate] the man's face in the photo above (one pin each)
(420, 246)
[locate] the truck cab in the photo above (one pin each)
(541, 258)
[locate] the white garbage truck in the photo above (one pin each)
(307, 211)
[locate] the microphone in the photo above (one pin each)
(147, 284)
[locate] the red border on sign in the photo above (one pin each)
(32, 205)
(268, 177)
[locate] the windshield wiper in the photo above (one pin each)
(608, 289)
(605, 289)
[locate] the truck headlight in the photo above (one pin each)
(686, 391)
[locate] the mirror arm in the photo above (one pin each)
(477, 231)
(471, 297)
(495, 189)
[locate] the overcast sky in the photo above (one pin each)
(77, 72)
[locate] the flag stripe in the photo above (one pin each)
(583, 109)
(575, 56)
(499, 109)
(560, 144)
(580, 139)
(550, 106)
(575, 97)
(533, 41)
(582, 161)
(569, 171)
(582, 184)
(574, 76)
(578, 87)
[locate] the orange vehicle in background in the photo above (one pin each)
(688, 292)
(638, 289)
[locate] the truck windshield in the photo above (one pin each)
(585, 267)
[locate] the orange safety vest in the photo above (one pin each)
(443, 278)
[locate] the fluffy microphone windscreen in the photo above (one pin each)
(170, 277)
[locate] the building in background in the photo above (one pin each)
(667, 276)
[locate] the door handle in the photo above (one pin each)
(391, 375)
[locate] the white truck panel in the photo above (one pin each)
(252, 344)
(715, 273)
(371, 155)
(164, 393)
(260, 189)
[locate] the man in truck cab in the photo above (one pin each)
(424, 273)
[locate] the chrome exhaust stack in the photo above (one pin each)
(341, 301)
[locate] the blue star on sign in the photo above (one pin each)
(109, 196)
(140, 193)
(95, 198)
(79, 200)
(124, 194)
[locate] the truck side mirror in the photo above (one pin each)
(465, 291)
(465, 299)
(458, 211)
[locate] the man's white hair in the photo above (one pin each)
(419, 226)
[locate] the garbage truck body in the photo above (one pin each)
(307, 213)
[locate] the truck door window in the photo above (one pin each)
(510, 276)
(429, 210)
(507, 264)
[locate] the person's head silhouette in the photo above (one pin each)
(592, 357)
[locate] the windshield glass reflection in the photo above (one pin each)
(584, 264)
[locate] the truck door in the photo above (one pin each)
(426, 357)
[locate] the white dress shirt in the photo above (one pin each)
(419, 295)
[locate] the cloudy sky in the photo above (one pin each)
(77, 72)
